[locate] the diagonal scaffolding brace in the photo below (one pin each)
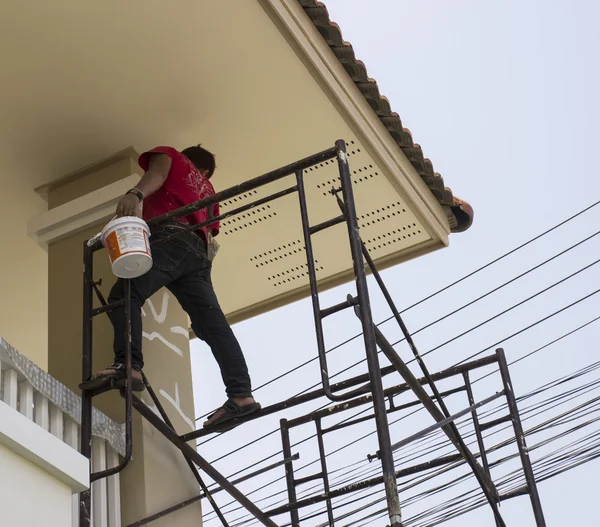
(452, 460)
(487, 485)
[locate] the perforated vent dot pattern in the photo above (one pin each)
(262, 255)
(278, 253)
(392, 237)
(292, 274)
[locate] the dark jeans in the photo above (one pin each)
(181, 265)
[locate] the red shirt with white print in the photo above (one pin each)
(184, 185)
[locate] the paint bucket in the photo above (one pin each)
(127, 243)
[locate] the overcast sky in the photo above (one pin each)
(503, 98)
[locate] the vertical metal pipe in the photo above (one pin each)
(521, 443)
(324, 470)
(314, 291)
(478, 433)
(479, 473)
(289, 470)
(366, 317)
(85, 497)
(128, 390)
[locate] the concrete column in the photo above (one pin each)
(157, 477)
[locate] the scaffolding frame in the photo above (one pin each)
(362, 389)
(461, 371)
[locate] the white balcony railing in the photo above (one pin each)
(42, 399)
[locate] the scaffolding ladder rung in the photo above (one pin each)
(308, 479)
(495, 422)
(108, 307)
(339, 307)
(521, 491)
(326, 224)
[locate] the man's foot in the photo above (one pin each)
(112, 375)
(230, 414)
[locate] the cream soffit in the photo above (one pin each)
(308, 43)
(261, 265)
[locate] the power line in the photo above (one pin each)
(418, 409)
(456, 282)
(551, 402)
(582, 299)
(468, 305)
(550, 423)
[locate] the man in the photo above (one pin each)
(172, 180)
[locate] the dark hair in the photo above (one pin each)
(202, 159)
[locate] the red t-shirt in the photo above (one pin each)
(184, 185)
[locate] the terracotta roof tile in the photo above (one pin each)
(459, 213)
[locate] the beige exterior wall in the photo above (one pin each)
(253, 116)
(23, 272)
(158, 476)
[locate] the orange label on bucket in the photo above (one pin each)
(112, 246)
(125, 240)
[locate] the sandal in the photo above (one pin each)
(232, 416)
(114, 380)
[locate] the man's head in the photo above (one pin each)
(202, 159)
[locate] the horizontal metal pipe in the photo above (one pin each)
(316, 394)
(225, 215)
(353, 403)
(108, 307)
(236, 190)
(348, 489)
(337, 307)
(307, 479)
(391, 410)
(445, 421)
(521, 491)
(495, 422)
(326, 224)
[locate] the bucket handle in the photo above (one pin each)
(94, 239)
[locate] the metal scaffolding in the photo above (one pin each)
(351, 393)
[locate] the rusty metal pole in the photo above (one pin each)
(323, 459)
(289, 471)
(478, 434)
(521, 442)
(366, 317)
(85, 497)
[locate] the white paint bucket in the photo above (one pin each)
(127, 243)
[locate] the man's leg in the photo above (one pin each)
(197, 297)
(142, 288)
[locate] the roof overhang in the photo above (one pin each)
(261, 89)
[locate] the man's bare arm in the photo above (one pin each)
(154, 178)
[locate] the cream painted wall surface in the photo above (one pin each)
(23, 272)
(157, 477)
(30, 496)
(81, 103)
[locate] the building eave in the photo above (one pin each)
(459, 213)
